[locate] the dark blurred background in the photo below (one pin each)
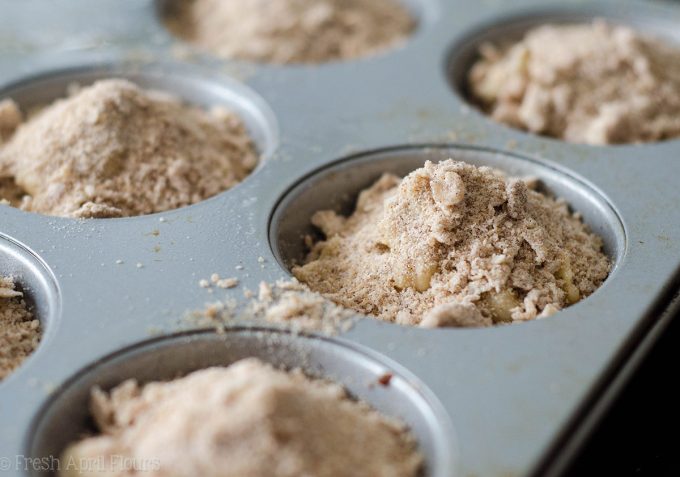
(640, 434)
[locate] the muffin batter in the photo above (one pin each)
(247, 419)
(19, 331)
(291, 31)
(115, 150)
(590, 83)
(454, 245)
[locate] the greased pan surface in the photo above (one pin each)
(511, 392)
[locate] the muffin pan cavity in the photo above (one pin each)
(192, 88)
(66, 417)
(37, 283)
(422, 13)
(186, 83)
(509, 28)
(336, 188)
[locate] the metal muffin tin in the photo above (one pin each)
(520, 398)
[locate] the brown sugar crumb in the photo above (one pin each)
(287, 303)
(454, 245)
(245, 419)
(227, 282)
(291, 31)
(592, 83)
(219, 282)
(19, 331)
(115, 150)
(10, 118)
(294, 305)
(10, 193)
(385, 379)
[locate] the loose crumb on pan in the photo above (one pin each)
(291, 31)
(285, 302)
(227, 282)
(115, 150)
(453, 244)
(218, 281)
(245, 419)
(19, 331)
(594, 83)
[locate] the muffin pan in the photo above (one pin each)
(520, 398)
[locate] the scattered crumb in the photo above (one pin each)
(385, 379)
(219, 282)
(265, 292)
(287, 303)
(227, 282)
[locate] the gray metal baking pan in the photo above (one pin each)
(519, 398)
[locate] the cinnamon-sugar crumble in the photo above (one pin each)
(247, 419)
(595, 83)
(113, 149)
(286, 302)
(454, 245)
(19, 330)
(291, 31)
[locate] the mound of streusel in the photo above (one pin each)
(246, 419)
(115, 150)
(291, 31)
(593, 83)
(454, 245)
